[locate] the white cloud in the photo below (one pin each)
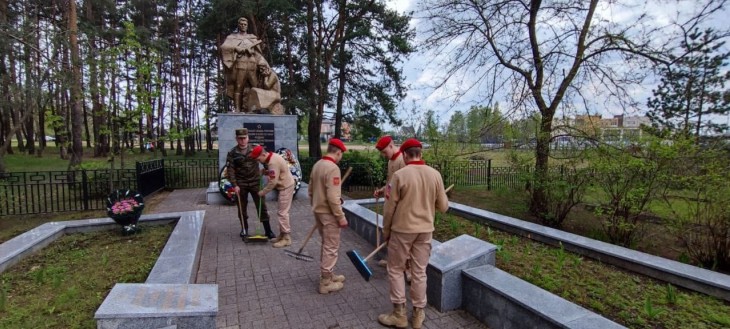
(399, 5)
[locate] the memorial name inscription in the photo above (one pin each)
(262, 134)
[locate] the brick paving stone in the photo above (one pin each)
(260, 287)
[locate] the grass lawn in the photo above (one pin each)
(630, 299)
(63, 285)
(11, 226)
(50, 160)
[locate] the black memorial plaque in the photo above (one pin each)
(262, 134)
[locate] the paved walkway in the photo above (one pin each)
(261, 287)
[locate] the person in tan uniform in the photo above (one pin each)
(388, 150)
(413, 196)
(280, 178)
(325, 191)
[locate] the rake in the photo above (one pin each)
(299, 254)
(361, 264)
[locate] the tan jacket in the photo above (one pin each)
(394, 163)
(277, 169)
(325, 188)
(413, 195)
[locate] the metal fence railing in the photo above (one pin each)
(58, 191)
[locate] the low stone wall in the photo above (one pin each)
(683, 275)
(168, 299)
(461, 274)
(504, 301)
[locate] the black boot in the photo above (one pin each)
(267, 228)
(244, 230)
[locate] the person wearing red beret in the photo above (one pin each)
(388, 150)
(325, 191)
(413, 196)
(281, 179)
(243, 172)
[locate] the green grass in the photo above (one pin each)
(63, 285)
(630, 299)
(51, 160)
(11, 226)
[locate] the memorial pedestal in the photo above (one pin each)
(271, 131)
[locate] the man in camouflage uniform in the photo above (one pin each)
(245, 175)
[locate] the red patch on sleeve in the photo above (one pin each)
(335, 181)
(272, 174)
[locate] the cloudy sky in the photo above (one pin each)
(420, 69)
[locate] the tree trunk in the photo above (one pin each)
(341, 89)
(76, 97)
(315, 118)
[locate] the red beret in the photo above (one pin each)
(383, 142)
(256, 152)
(411, 142)
(338, 143)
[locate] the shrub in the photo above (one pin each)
(368, 168)
(629, 180)
(565, 187)
(701, 216)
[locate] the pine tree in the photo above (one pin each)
(692, 88)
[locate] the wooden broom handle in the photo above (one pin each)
(377, 224)
(375, 251)
(385, 243)
(347, 174)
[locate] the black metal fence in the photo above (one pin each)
(57, 191)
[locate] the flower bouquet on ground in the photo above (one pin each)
(225, 187)
(125, 207)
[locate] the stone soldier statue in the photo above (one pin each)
(250, 82)
(242, 56)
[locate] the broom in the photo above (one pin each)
(361, 264)
(299, 254)
(258, 237)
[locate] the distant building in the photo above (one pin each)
(327, 130)
(617, 129)
(624, 129)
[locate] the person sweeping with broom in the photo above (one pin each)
(281, 179)
(413, 196)
(243, 172)
(388, 150)
(325, 191)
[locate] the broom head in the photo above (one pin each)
(360, 264)
(299, 255)
(256, 238)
